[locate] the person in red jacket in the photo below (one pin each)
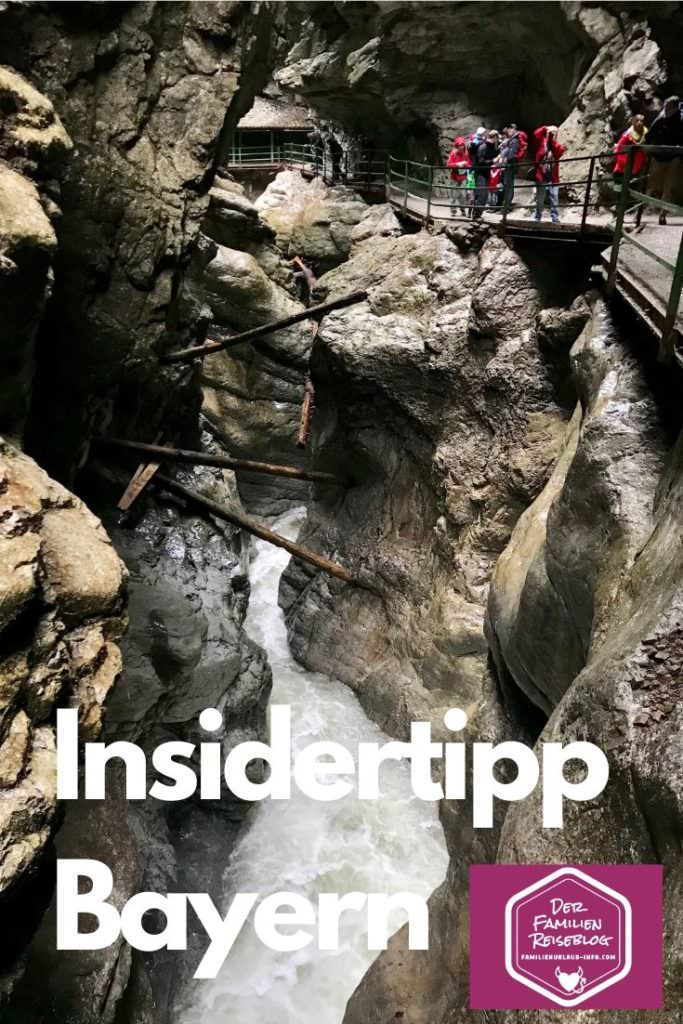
(458, 163)
(547, 173)
(632, 137)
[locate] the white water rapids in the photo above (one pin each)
(301, 845)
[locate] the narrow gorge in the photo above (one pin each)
(499, 463)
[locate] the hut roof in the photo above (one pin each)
(267, 113)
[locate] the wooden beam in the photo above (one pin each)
(137, 483)
(306, 413)
(255, 528)
(258, 332)
(164, 453)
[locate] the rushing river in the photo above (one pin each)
(300, 845)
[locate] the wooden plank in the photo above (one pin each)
(311, 312)
(137, 485)
(131, 492)
(306, 413)
(256, 529)
(165, 453)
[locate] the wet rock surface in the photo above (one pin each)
(435, 403)
(184, 650)
(252, 394)
(146, 92)
(597, 556)
(33, 143)
(311, 219)
(243, 274)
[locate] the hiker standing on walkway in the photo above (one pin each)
(632, 137)
(510, 155)
(547, 171)
(665, 166)
(459, 162)
(483, 150)
(475, 144)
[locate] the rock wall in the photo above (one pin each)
(449, 403)
(61, 614)
(251, 395)
(102, 221)
(147, 92)
(33, 144)
(584, 621)
(612, 543)
(184, 650)
(438, 404)
(243, 277)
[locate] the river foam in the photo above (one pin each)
(390, 845)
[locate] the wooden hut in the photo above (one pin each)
(270, 131)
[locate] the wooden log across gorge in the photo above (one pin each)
(161, 453)
(251, 526)
(311, 312)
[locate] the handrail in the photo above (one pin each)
(626, 193)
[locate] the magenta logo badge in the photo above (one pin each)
(568, 936)
(560, 937)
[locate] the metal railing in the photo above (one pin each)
(358, 168)
(429, 191)
(628, 195)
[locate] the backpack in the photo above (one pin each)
(523, 145)
(547, 165)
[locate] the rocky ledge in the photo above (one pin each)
(61, 615)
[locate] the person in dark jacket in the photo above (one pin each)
(483, 150)
(509, 155)
(547, 170)
(665, 167)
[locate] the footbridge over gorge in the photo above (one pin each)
(639, 259)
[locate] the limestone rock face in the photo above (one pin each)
(184, 650)
(32, 144)
(436, 403)
(310, 219)
(242, 275)
(33, 137)
(622, 561)
(61, 614)
(626, 75)
(584, 621)
(251, 394)
(563, 574)
(146, 93)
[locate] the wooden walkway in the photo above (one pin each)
(422, 194)
(597, 228)
(645, 284)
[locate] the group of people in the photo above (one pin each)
(660, 168)
(483, 169)
(484, 166)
